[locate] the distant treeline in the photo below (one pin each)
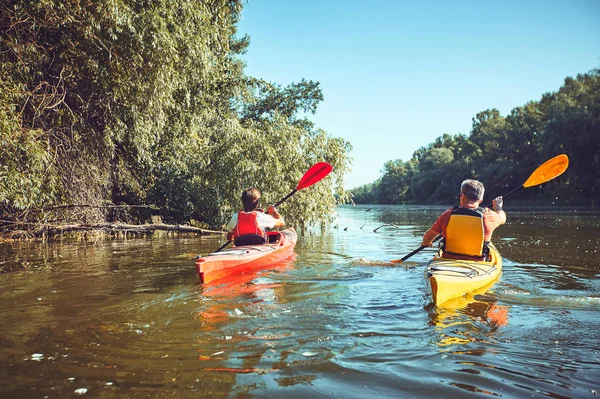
(502, 151)
(147, 103)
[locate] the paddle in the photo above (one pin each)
(315, 174)
(545, 172)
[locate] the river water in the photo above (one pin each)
(128, 318)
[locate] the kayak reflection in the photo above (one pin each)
(474, 317)
(232, 299)
(236, 290)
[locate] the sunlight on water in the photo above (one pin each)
(130, 319)
(368, 262)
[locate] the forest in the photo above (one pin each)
(127, 109)
(502, 151)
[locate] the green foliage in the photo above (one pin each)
(503, 151)
(287, 102)
(132, 102)
(25, 180)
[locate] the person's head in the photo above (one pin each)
(250, 197)
(472, 190)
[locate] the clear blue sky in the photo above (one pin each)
(398, 74)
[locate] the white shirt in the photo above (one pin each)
(264, 220)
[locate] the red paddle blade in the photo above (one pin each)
(315, 174)
(548, 170)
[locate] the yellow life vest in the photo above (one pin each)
(465, 233)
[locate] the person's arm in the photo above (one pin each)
(429, 236)
(231, 226)
(497, 203)
(436, 229)
(279, 221)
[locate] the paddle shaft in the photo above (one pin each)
(414, 252)
(281, 201)
(222, 247)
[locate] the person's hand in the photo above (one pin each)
(497, 203)
(426, 245)
(230, 236)
(271, 210)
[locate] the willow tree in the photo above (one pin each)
(134, 102)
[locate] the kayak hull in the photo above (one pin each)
(447, 279)
(238, 260)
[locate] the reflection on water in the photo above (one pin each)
(475, 316)
(129, 318)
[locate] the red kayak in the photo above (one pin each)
(236, 260)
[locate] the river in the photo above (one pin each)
(128, 318)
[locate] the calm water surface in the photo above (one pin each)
(128, 318)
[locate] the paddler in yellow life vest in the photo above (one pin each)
(467, 228)
(248, 226)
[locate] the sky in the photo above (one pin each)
(397, 74)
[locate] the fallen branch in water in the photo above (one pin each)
(63, 206)
(108, 228)
(383, 225)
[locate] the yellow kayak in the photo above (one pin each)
(447, 279)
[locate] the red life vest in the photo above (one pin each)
(247, 223)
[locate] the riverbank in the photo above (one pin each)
(83, 221)
(112, 230)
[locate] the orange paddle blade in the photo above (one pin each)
(548, 170)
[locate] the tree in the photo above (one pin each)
(394, 182)
(270, 99)
(130, 102)
(574, 128)
(436, 158)
(502, 152)
(489, 127)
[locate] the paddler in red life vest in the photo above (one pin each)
(467, 228)
(248, 227)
